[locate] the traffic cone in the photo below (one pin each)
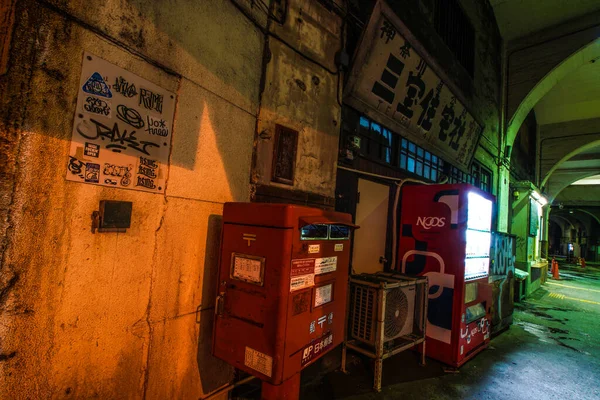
(555, 273)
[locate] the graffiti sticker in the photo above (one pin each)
(125, 142)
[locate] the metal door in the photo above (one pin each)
(372, 217)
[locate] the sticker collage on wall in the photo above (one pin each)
(122, 129)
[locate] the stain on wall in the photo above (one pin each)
(301, 93)
(120, 315)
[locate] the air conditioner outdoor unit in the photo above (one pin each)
(387, 315)
(397, 295)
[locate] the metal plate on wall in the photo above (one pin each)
(392, 82)
(122, 129)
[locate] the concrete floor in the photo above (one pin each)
(552, 351)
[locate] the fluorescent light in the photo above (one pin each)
(539, 198)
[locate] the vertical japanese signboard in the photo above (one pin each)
(393, 83)
(122, 129)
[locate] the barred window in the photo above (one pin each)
(415, 159)
(376, 141)
(382, 145)
(483, 176)
(455, 175)
(455, 29)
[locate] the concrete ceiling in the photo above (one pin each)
(589, 159)
(517, 18)
(590, 180)
(576, 96)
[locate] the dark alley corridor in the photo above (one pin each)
(550, 352)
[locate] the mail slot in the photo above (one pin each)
(281, 294)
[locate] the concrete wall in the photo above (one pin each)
(125, 315)
(301, 93)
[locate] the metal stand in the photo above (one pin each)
(377, 350)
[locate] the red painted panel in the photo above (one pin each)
(301, 304)
(433, 243)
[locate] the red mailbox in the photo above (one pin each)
(281, 295)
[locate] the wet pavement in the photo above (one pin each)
(551, 351)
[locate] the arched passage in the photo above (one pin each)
(585, 54)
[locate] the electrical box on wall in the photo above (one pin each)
(113, 216)
(281, 295)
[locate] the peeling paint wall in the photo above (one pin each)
(120, 315)
(301, 93)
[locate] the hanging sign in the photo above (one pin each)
(393, 83)
(122, 129)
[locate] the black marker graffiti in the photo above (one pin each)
(110, 182)
(96, 106)
(157, 127)
(75, 165)
(130, 116)
(121, 171)
(145, 182)
(125, 88)
(150, 100)
(147, 173)
(148, 162)
(119, 141)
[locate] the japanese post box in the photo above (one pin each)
(282, 284)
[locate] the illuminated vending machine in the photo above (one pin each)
(445, 235)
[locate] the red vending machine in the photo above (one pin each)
(445, 235)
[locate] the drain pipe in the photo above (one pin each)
(229, 388)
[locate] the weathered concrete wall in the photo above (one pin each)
(302, 95)
(125, 315)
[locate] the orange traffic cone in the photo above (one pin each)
(555, 273)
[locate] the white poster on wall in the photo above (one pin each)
(122, 129)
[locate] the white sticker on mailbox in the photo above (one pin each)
(314, 248)
(247, 269)
(323, 295)
(259, 361)
(302, 274)
(325, 265)
(339, 247)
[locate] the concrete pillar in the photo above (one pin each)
(503, 198)
(545, 230)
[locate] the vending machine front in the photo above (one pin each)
(445, 235)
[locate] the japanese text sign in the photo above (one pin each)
(393, 83)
